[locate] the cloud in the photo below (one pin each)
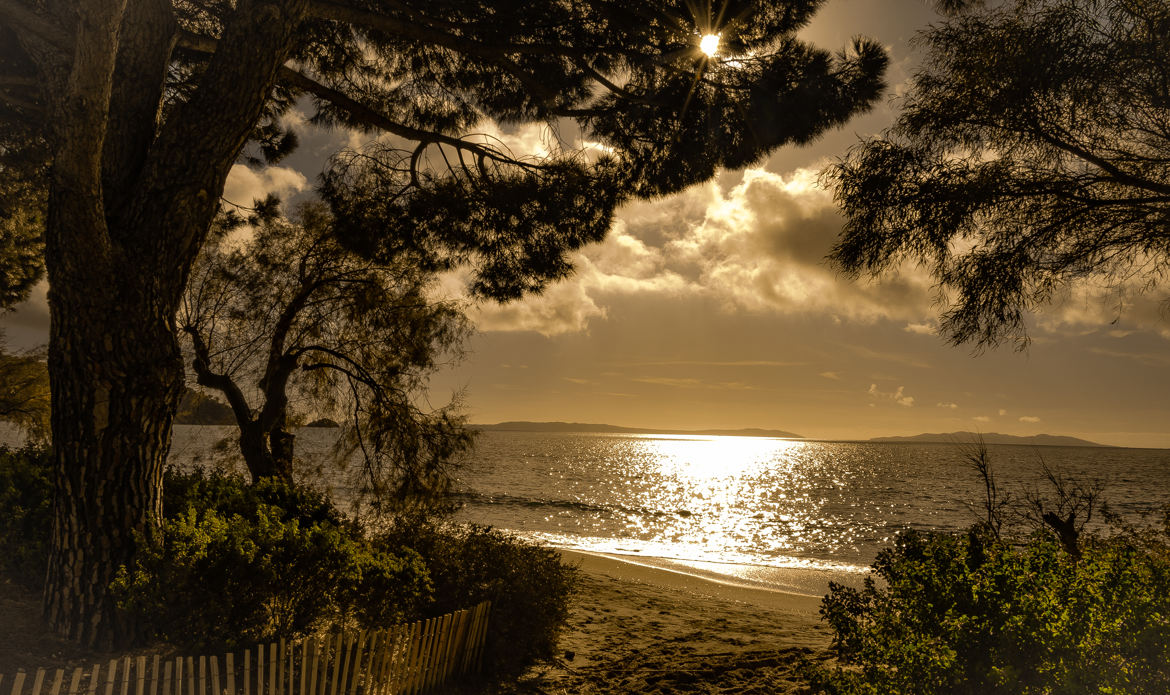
(1115, 310)
(1002, 412)
(1152, 359)
(949, 406)
(691, 383)
(758, 246)
(574, 380)
(836, 376)
(898, 396)
(245, 185)
(562, 308)
(924, 328)
(1029, 418)
(981, 418)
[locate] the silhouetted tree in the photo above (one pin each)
(140, 108)
(1032, 151)
(291, 324)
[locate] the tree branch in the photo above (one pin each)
(18, 15)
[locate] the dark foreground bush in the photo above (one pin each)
(975, 614)
(26, 513)
(238, 564)
(529, 587)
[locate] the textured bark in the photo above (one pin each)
(114, 394)
(130, 203)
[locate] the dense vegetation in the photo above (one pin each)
(982, 614)
(236, 564)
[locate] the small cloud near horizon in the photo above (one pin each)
(898, 396)
(949, 406)
(981, 418)
(1029, 418)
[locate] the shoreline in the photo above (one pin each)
(791, 589)
(638, 627)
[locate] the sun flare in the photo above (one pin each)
(709, 44)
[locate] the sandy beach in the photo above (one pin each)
(641, 627)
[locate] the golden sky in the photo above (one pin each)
(714, 309)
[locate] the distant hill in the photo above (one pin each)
(615, 429)
(199, 409)
(991, 438)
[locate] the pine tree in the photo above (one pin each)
(1032, 153)
(141, 107)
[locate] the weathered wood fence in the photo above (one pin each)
(402, 660)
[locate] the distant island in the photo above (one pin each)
(991, 438)
(521, 426)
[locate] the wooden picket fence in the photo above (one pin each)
(402, 660)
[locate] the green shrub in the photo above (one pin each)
(26, 513)
(236, 564)
(529, 587)
(976, 614)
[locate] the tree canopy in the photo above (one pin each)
(1032, 152)
(288, 325)
(126, 116)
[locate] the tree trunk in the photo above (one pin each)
(267, 454)
(116, 379)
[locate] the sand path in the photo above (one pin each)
(636, 629)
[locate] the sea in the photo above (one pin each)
(790, 514)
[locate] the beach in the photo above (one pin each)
(643, 627)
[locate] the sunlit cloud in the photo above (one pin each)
(924, 328)
(758, 246)
(1029, 418)
(1153, 359)
(690, 383)
(981, 418)
(836, 376)
(245, 185)
(948, 406)
(1002, 412)
(716, 363)
(899, 396)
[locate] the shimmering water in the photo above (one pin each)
(763, 501)
(757, 501)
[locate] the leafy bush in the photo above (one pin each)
(236, 564)
(976, 614)
(26, 513)
(529, 587)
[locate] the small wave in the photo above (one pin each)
(478, 498)
(685, 552)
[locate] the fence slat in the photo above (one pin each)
(166, 679)
(17, 683)
(215, 676)
(58, 677)
(154, 680)
(94, 675)
(113, 672)
(202, 676)
(38, 680)
(190, 675)
(280, 670)
(271, 669)
(304, 664)
(126, 675)
(75, 682)
(229, 665)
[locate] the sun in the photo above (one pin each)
(709, 44)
